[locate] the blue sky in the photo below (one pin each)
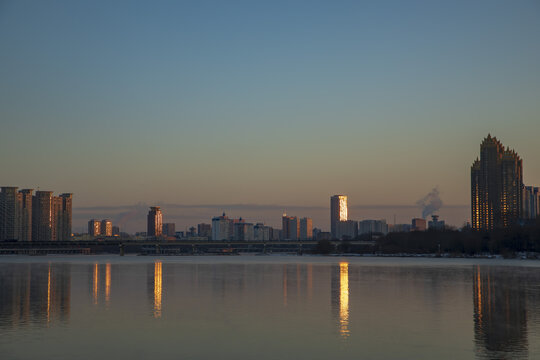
(231, 102)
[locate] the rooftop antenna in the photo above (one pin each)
(394, 219)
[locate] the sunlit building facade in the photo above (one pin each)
(106, 227)
(155, 222)
(338, 212)
(94, 227)
(496, 186)
(43, 218)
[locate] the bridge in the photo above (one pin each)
(168, 247)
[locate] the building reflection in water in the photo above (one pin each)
(107, 284)
(95, 284)
(34, 294)
(158, 288)
(500, 314)
(340, 297)
(344, 299)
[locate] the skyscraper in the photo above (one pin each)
(9, 213)
(220, 227)
(155, 222)
(94, 227)
(43, 219)
(496, 186)
(25, 213)
(204, 230)
(306, 229)
(64, 218)
(531, 202)
(338, 212)
(106, 227)
(290, 227)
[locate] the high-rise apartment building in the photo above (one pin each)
(65, 217)
(9, 213)
(531, 202)
(373, 226)
(290, 227)
(94, 227)
(106, 227)
(243, 231)
(169, 229)
(262, 232)
(25, 213)
(338, 212)
(155, 222)
(347, 229)
(496, 186)
(306, 229)
(220, 227)
(43, 217)
(204, 230)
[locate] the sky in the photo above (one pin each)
(256, 108)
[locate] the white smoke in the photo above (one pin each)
(430, 203)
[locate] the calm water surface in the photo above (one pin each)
(266, 307)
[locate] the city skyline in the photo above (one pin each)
(277, 103)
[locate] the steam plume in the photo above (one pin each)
(430, 203)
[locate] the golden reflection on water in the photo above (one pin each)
(479, 295)
(107, 283)
(158, 288)
(344, 299)
(95, 287)
(49, 295)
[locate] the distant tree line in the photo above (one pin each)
(504, 242)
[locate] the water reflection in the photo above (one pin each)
(38, 294)
(500, 314)
(339, 285)
(344, 299)
(158, 288)
(372, 312)
(95, 284)
(107, 284)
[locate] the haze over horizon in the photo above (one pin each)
(274, 104)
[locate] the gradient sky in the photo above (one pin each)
(270, 103)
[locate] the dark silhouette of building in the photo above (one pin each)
(496, 186)
(25, 215)
(500, 313)
(169, 229)
(42, 216)
(290, 227)
(204, 230)
(155, 222)
(9, 209)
